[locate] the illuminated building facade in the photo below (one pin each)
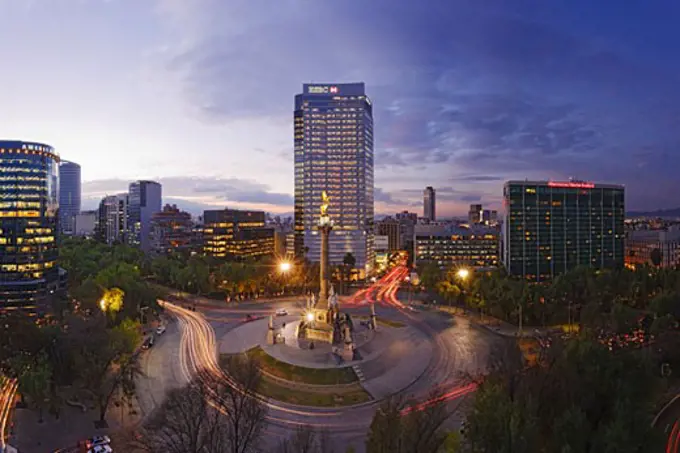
(145, 200)
(429, 204)
(552, 227)
(333, 143)
(448, 245)
(113, 219)
(230, 233)
(29, 202)
(171, 231)
(69, 196)
(475, 214)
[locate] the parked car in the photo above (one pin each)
(101, 449)
(97, 440)
(147, 343)
(281, 312)
(160, 330)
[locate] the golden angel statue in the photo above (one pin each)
(324, 204)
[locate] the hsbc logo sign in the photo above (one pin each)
(322, 89)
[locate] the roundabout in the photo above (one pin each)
(427, 358)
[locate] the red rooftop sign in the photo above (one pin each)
(571, 185)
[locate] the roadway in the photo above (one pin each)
(8, 391)
(461, 349)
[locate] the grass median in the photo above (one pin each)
(303, 375)
(333, 397)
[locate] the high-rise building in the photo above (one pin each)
(170, 231)
(69, 196)
(29, 203)
(391, 228)
(85, 223)
(233, 233)
(449, 245)
(113, 221)
(552, 227)
(145, 201)
(333, 138)
(475, 214)
(429, 203)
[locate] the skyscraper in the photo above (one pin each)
(333, 137)
(113, 220)
(29, 190)
(145, 200)
(429, 204)
(552, 227)
(69, 196)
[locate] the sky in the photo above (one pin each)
(198, 94)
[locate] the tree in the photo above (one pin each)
(430, 275)
(238, 400)
(348, 264)
(112, 300)
(186, 422)
(35, 382)
(580, 398)
(399, 427)
(655, 257)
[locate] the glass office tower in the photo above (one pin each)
(552, 227)
(145, 200)
(429, 204)
(333, 138)
(29, 190)
(69, 196)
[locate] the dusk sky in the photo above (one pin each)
(198, 94)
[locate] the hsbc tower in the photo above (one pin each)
(333, 145)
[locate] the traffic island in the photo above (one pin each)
(316, 387)
(301, 375)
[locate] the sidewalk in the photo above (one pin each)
(490, 323)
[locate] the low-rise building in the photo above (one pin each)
(449, 245)
(238, 234)
(170, 230)
(653, 247)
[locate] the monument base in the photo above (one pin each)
(322, 333)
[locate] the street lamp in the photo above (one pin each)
(463, 273)
(310, 316)
(102, 304)
(284, 266)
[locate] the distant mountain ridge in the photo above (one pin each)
(674, 212)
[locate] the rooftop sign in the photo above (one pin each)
(571, 184)
(322, 89)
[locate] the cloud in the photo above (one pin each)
(205, 192)
(502, 88)
(477, 178)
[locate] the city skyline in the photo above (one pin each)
(464, 98)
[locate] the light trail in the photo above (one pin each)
(7, 394)
(673, 444)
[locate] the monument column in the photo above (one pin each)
(325, 226)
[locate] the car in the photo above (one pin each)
(98, 440)
(160, 330)
(148, 343)
(281, 312)
(100, 449)
(250, 318)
